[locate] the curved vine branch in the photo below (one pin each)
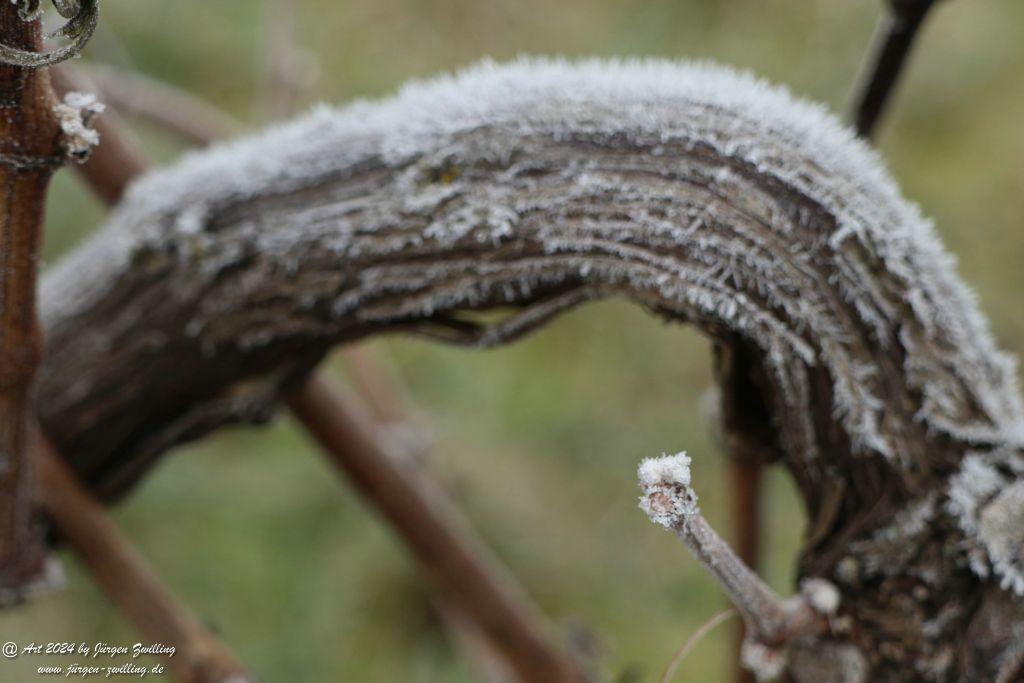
(704, 196)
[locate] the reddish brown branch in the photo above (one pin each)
(453, 561)
(29, 153)
(746, 478)
(746, 434)
(125, 577)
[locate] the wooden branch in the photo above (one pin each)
(452, 560)
(526, 190)
(894, 38)
(29, 153)
(125, 577)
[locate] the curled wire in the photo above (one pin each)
(81, 15)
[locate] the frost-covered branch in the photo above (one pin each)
(528, 189)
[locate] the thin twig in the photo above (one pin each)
(126, 578)
(894, 38)
(695, 638)
(669, 500)
(452, 559)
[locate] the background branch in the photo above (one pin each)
(894, 38)
(126, 579)
(452, 560)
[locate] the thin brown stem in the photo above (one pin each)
(125, 577)
(894, 39)
(746, 479)
(746, 431)
(452, 559)
(29, 153)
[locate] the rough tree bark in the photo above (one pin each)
(701, 195)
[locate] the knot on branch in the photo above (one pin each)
(82, 17)
(75, 114)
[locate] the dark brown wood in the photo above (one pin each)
(29, 153)
(126, 578)
(453, 561)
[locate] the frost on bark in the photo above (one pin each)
(702, 195)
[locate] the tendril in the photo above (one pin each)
(81, 15)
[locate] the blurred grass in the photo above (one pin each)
(538, 441)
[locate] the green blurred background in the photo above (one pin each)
(538, 442)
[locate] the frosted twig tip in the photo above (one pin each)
(75, 115)
(667, 496)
